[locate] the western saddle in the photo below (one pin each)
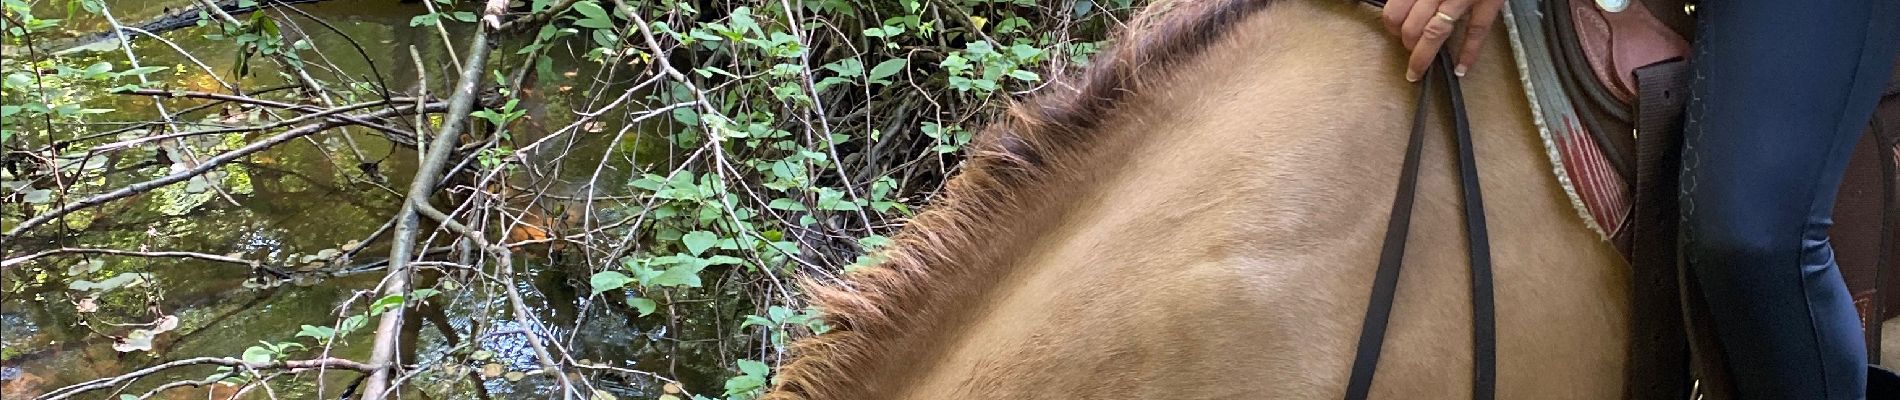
(1608, 80)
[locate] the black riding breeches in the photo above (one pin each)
(1782, 92)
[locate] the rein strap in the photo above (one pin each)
(1391, 256)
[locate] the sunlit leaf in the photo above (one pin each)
(698, 241)
(605, 281)
(385, 303)
(644, 305)
(320, 333)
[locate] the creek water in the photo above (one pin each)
(308, 198)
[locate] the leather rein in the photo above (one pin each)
(1392, 255)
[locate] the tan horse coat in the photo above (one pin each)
(1199, 217)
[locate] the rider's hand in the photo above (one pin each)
(1425, 25)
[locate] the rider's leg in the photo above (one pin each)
(1781, 94)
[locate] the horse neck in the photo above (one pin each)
(1223, 224)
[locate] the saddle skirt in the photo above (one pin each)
(1607, 81)
(1580, 66)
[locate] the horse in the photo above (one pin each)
(1199, 215)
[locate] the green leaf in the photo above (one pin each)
(320, 333)
(849, 67)
(258, 354)
(687, 116)
(786, 204)
(646, 306)
(888, 68)
(464, 16)
(752, 320)
(754, 368)
(886, 31)
(742, 20)
(1083, 7)
(108, 284)
(141, 70)
(608, 280)
(19, 80)
(595, 23)
(351, 324)
(424, 20)
(743, 384)
(752, 378)
(99, 68)
(698, 241)
(685, 274)
(590, 9)
(385, 303)
(1025, 76)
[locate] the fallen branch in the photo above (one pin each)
(149, 254)
(461, 104)
(207, 166)
(291, 365)
(334, 114)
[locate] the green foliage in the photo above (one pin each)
(821, 133)
(799, 138)
(750, 380)
(445, 9)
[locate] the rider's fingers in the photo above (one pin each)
(1394, 14)
(1482, 16)
(1415, 21)
(1432, 35)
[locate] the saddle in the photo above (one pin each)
(1608, 80)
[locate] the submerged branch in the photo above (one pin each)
(292, 365)
(10, 262)
(204, 167)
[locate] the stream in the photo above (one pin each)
(307, 199)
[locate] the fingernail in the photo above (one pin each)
(1411, 76)
(1460, 71)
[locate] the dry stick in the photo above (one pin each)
(206, 166)
(383, 351)
(196, 384)
(188, 56)
(394, 134)
(125, 43)
(668, 69)
(504, 259)
(333, 114)
(453, 58)
(818, 107)
(151, 254)
(303, 77)
(101, 383)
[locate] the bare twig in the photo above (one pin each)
(148, 254)
(388, 328)
(202, 168)
(293, 365)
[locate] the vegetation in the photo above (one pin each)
(597, 198)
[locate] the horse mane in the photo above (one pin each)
(945, 245)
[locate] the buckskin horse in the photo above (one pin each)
(1199, 215)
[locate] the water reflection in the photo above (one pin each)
(310, 197)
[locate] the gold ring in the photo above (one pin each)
(1443, 16)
